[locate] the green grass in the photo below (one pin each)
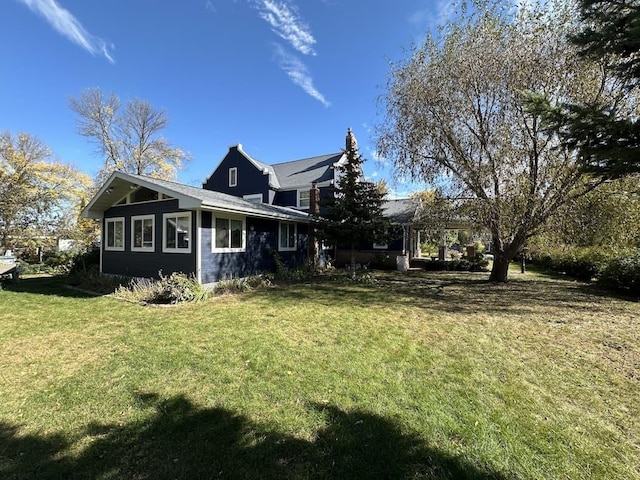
(438, 375)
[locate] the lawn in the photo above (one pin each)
(421, 375)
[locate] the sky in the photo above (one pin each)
(285, 78)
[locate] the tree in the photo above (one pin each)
(604, 130)
(455, 113)
(354, 214)
(36, 193)
(127, 139)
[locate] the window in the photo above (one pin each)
(177, 233)
(233, 176)
(229, 235)
(380, 246)
(303, 198)
(287, 240)
(142, 233)
(114, 234)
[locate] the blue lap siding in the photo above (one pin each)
(147, 264)
(258, 257)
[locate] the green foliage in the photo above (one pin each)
(623, 273)
(605, 130)
(172, 289)
(241, 285)
(290, 272)
(91, 280)
(39, 198)
(354, 214)
(577, 262)
(478, 264)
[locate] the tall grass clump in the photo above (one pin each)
(171, 289)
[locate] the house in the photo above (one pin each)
(151, 225)
(245, 213)
(285, 184)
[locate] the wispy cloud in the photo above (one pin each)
(210, 6)
(67, 25)
(433, 15)
(287, 24)
(298, 73)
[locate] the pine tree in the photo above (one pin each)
(354, 214)
(605, 132)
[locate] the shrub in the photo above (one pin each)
(91, 279)
(581, 263)
(239, 285)
(623, 274)
(175, 288)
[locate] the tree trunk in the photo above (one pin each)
(500, 269)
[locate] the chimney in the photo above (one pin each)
(314, 199)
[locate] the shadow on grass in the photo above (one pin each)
(45, 285)
(183, 441)
(451, 292)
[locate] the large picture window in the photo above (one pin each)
(287, 240)
(177, 232)
(229, 235)
(114, 237)
(142, 233)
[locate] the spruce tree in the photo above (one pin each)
(354, 214)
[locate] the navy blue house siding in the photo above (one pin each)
(147, 264)
(258, 257)
(250, 179)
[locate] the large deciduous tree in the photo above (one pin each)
(39, 197)
(127, 139)
(455, 113)
(354, 214)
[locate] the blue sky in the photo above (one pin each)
(283, 77)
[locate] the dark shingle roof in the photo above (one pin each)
(189, 197)
(401, 211)
(303, 172)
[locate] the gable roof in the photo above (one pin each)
(189, 198)
(298, 173)
(401, 211)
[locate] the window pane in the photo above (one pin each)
(283, 235)
(183, 232)
(137, 233)
(304, 198)
(170, 240)
(236, 233)
(111, 234)
(118, 234)
(222, 233)
(147, 233)
(292, 236)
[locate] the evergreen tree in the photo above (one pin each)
(354, 214)
(606, 132)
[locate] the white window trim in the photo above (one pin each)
(253, 196)
(153, 233)
(166, 249)
(241, 249)
(233, 177)
(114, 220)
(295, 235)
(298, 199)
(381, 246)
